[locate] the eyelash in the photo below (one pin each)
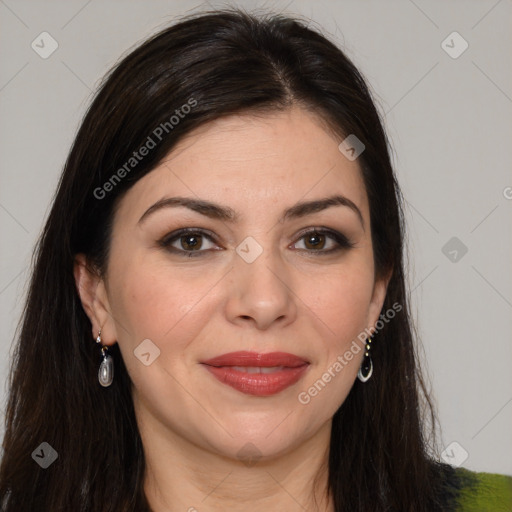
(343, 242)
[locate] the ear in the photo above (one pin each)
(380, 289)
(93, 295)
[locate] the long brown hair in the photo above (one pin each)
(226, 62)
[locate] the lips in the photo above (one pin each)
(257, 374)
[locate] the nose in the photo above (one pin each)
(261, 292)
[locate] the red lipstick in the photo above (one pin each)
(257, 374)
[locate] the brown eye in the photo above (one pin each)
(323, 241)
(314, 241)
(188, 242)
(191, 242)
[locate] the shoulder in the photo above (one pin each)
(483, 492)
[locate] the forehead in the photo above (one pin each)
(253, 161)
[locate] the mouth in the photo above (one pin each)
(257, 374)
(255, 369)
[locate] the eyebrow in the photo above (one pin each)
(227, 214)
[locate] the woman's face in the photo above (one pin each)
(251, 276)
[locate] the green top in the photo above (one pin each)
(484, 492)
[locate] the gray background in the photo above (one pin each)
(449, 122)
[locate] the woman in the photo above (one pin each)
(217, 318)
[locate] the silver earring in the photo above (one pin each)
(106, 370)
(366, 369)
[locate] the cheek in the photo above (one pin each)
(341, 300)
(341, 304)
(158, 303)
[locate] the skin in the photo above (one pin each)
(290, 299)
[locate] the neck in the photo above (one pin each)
(182, 476)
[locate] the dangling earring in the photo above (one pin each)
(366, 369)
(106, 370)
